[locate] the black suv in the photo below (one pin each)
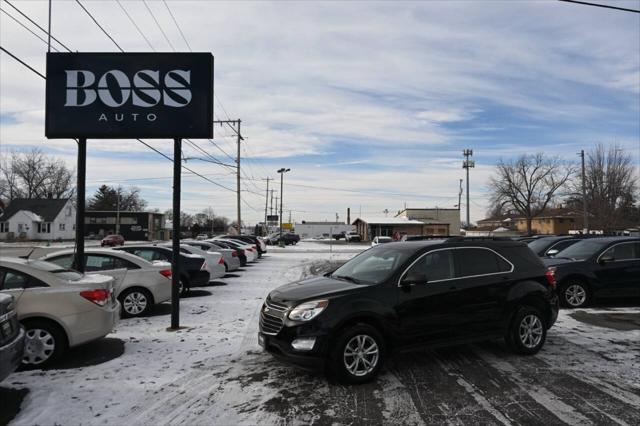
(411, 294)
(597, 268)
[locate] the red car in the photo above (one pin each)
(112, 240)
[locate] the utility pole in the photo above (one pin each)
(118, 213)
(460, 196)
(289, 216)
(266, 204)
(585, 217)
(468, 164)
(282, 171)
(232, 123)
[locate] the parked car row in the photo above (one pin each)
(47, 307)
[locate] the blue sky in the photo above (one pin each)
(377, 99)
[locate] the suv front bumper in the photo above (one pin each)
(280, 347)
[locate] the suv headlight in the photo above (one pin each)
(308, 310)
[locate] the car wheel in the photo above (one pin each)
(226, 267)
(575, 294)
(44, 343)
(135, 302)
(358, 354)
(527, 332)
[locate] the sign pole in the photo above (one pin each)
(175, 265)
(80, 195)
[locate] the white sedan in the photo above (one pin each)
(139, 283)
(381, 240)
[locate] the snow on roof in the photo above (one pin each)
(390, 221)
(31, 215)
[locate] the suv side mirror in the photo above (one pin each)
(414, 277)
(553, 252)
(605, 258)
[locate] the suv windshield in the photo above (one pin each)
(373, 266)
(540, 243)
(582, 250)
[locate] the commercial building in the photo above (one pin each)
(557, 221)
(437, 221)
(134, 226)
(321, 229)
(371, 227)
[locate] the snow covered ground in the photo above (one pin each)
(213, 371)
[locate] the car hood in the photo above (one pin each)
(555, 261)
(311, 288)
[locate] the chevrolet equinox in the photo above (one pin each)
(410, 294)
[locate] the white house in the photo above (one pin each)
(38, 219)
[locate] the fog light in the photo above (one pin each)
(304, 343)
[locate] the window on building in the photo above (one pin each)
(61, 227)
(44, 227)
(4, 227)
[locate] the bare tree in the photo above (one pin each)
(34, 174)
(528, 184)
(611, 187)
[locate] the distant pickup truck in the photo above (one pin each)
(352, 237)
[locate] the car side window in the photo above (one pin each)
(16, 280)
(124, 264)
(625, 251)
(479, 261)
(434, 266)
(65, 261)
(149, 255)
(95, 262)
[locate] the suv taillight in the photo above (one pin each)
(204, 266)
(166, 273)
(550, 275)
(99, 296)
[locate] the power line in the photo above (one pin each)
(177, 26)
(36, 24)
(99, 26)
(135, 25)
(22, 62)
(601, 5)
(26, 28)
(158, 25)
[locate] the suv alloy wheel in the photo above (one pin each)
(358, 354)
(527, 332)
(574, 294)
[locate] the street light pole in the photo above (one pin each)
(585, 218)
(282, 171)
(467, 164)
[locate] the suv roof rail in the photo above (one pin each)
(463, 239)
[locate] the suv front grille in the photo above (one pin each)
(271, 317)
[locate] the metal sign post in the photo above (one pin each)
(130, 96)
(175, 265)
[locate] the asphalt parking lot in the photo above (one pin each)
(213, 371)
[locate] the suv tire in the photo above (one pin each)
(44, 343)
(527, 332)
(575, 294)
(357, 355)
(135, 302)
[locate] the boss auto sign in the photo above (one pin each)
(129, 95)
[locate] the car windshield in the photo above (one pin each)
(582, 250)
(540, 244)
(373, 266)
